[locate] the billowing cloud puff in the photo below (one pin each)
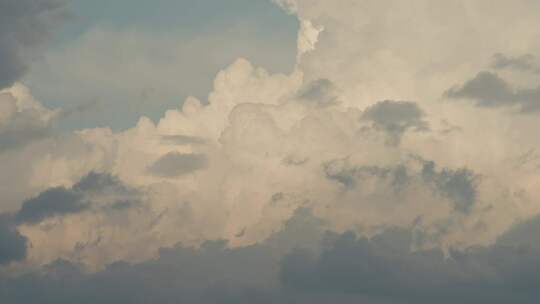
(192, 167)
(22, 119)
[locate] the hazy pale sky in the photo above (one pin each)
(169, 50)
(269, 151)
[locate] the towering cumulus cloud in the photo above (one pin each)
(398, 163)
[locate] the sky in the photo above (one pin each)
(121, 59)
(269, 151)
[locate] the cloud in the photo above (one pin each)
(53, 202)
(23, 120)
(412, 216)
(395, 118)
(210, 273)
(176, 164)
(384, 268)
(520, 63)
(259, 141)
(522, 234)
(13, 245)
(350, 176)
(62, 201)
(488, 89)
(460, 185)
(342, 266)
(183, 140)
(321, 92)
(101, 183)
(457, 185)
(23, 25)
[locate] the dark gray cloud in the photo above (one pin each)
(176, 164)
(351, 176)
(320, 92)
(385, 269)
(102, 183)
(523, 234)
(488, 89)
(211, 274)
(63, 201)
(458, 185)
(12, 244)
(52, 202)
(395, 118)
(23, 25)
(525, 63)
(342, 268)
